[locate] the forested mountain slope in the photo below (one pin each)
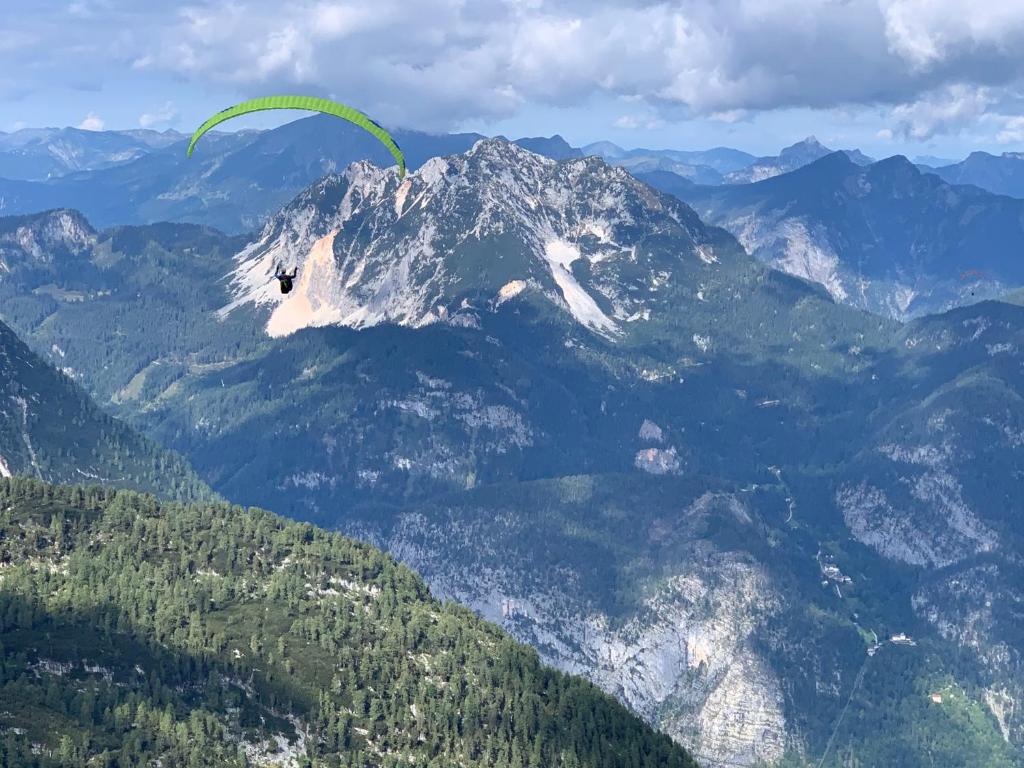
(50, 429)
(139, 633)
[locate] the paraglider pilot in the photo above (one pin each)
(285, 278)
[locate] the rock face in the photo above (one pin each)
(967, 608)
(940, 490)
(382, 251)
(686, 658)
(43, 239)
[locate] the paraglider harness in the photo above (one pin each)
(285, 278)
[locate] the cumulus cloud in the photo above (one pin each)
(160, 116)
(1012, 131)
(730, 115)
(438, 63)
(945, 111)
(92, 122)
(634, 122)
(931, 34)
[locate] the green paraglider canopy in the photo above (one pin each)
(312, 104)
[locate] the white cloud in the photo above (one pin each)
(948, 110)
(1012, 131)
(437, 63)
(92, 122)
(634, 122)
(929, 33)
(885, 134)
(161, 116)
(729, 116)
(14, 40)
(442, 61)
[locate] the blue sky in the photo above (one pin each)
(941, 77)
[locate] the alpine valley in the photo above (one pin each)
(781, 529)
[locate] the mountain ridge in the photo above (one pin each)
(1000, 174)
(885, 237)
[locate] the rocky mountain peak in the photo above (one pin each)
(371, 249)
(809, 148)
(45, 237)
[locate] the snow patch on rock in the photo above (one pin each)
(510, 290)
(560, 255)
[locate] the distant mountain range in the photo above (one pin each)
(42, 153)
(720, 165)
(234, 181)
(1002, 174)
(790, 159)
(702, 167)
(931, 161)
(776, 526)
(883, 237)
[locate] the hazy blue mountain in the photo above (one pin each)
(932, 161)
(234, 181)
(720, 165)
(666, 181)
(595, 420)
(697, 174)
(722, 159)
(1003, 174)
(883, 237)
(789, 159)
(719, 159)
(605, 149)
(32, 154)
(698, 167)
(554, 147)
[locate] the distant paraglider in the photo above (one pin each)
(972, 276)
(312, 104)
